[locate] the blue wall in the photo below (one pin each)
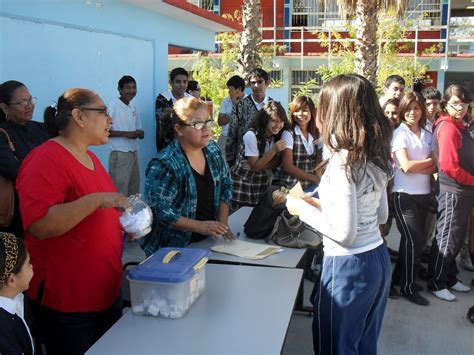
(55, 45)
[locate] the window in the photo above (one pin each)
(300, 77)
(275, 75)
(314, 13)
(203, 4)
(428, 12)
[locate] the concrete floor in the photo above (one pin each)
(441, 328)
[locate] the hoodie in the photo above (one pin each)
(453, 148)
(351, 209)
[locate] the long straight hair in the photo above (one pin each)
(271, 110)
(353, 120)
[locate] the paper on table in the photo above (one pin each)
(297, 191)
(246, 250)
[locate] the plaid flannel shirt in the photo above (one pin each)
(170, 191)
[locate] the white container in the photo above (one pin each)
(168, 283)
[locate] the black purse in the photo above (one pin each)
(289, 231)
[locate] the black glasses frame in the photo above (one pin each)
(207, 124)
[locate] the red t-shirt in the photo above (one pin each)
(81, 269)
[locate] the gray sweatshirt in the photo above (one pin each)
(350, 211)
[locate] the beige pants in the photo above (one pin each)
(123, 167)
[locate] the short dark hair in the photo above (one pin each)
(394, 102)
(237, 82)
(431, 93)
(456, 90)
(192, 85)
(258, 73)
(394, 79)
(125, 80)
(6, 92)
(178, 71)
(57, 118)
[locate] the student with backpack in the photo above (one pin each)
(259, 154)
(355, 277)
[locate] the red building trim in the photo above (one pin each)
(196, 10)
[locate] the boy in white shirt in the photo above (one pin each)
(394, 89)
(236, 86)
(126, 129)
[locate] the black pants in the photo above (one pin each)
(453, 219)
(74, 333)
(410, 214)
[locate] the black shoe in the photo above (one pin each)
(310, 275)
(416, 298)
(416, 287)
(425, 256)
(393, 293)
(423, 273)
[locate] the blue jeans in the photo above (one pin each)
(350, 302)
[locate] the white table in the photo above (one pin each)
(289, 257)
(244, 310)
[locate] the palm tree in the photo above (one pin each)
(250, 39)
(365, 13)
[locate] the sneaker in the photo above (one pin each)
(444, 295)
(460, 287)
(466, 263)
(416, 298)
(393, 293)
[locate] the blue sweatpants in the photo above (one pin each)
(350, 302)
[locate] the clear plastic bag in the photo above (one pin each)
(137, 219)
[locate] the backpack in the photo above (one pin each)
(274, 223)
(263, 216)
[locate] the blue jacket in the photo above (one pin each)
(170, 191)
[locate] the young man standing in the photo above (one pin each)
(432, 100)
(126, 129)
(394, 89)
(244, 111)
(166, 100)
(236, 86)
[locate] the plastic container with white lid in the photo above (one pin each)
(168, 282)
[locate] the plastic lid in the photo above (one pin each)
(170, 265)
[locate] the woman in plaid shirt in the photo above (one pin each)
(258, 155)
(188, 186)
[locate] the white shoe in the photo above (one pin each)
(467, 263)
(444, 295)
(460, 287)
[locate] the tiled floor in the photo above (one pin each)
(441, 328)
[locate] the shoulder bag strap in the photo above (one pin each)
(10, 143)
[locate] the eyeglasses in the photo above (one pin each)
(26, 102)
(97, 109)
(199, 124)
(458, 104)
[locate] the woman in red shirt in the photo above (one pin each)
(69, 208)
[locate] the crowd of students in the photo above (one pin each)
(373, 160)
